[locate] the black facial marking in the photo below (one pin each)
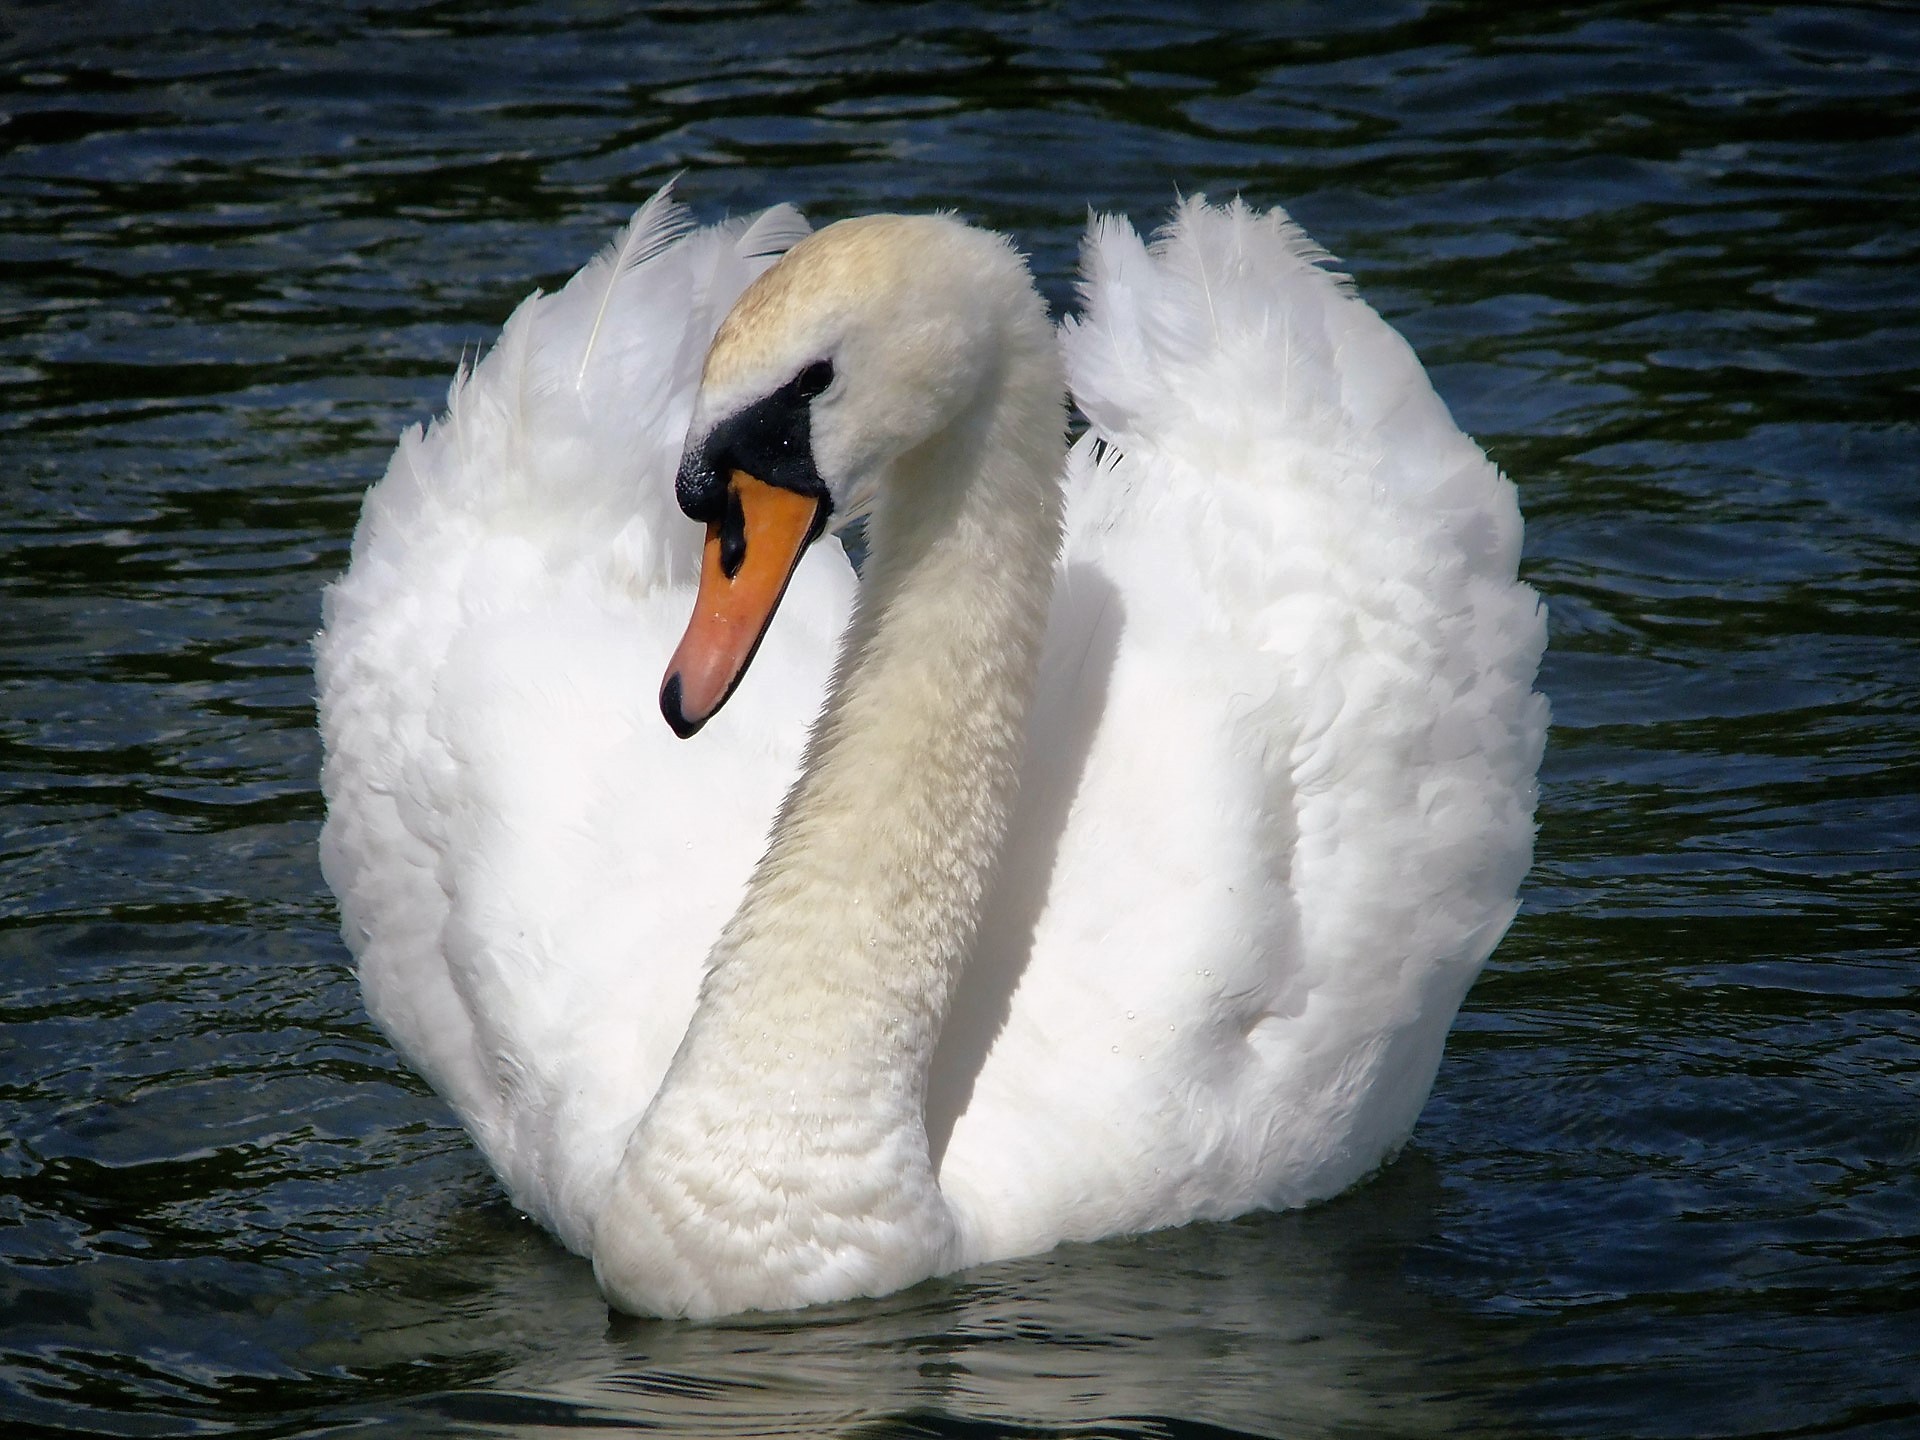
(772, 440)
(670, 707)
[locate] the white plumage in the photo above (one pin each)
(1275, 806)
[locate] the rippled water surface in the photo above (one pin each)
(1663, 264)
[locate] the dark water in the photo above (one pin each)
(1663, 263)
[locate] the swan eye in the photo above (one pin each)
(815, 378)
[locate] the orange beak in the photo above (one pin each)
(748, 560)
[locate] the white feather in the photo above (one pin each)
(1286, 710)
(514, 836)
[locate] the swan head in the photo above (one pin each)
(869, 341)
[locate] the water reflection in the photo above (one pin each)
(1297, 1324)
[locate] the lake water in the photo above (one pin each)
(1663, 261)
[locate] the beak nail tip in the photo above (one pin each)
(670, 708)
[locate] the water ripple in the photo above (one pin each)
(1662, 261)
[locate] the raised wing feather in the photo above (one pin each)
(1283, 752)
(529, 866)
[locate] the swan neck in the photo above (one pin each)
(797, 1098)
(872, 883)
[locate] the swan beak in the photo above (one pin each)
(750, 556)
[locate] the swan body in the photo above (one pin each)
(1166, 796)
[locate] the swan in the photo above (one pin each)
(1163, 796)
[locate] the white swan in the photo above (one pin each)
(1196, 953)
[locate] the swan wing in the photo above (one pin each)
(1280, 790)
(529, 867)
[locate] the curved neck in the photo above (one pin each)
(883, 848)
(799, 1089)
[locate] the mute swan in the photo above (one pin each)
(1154, 827)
